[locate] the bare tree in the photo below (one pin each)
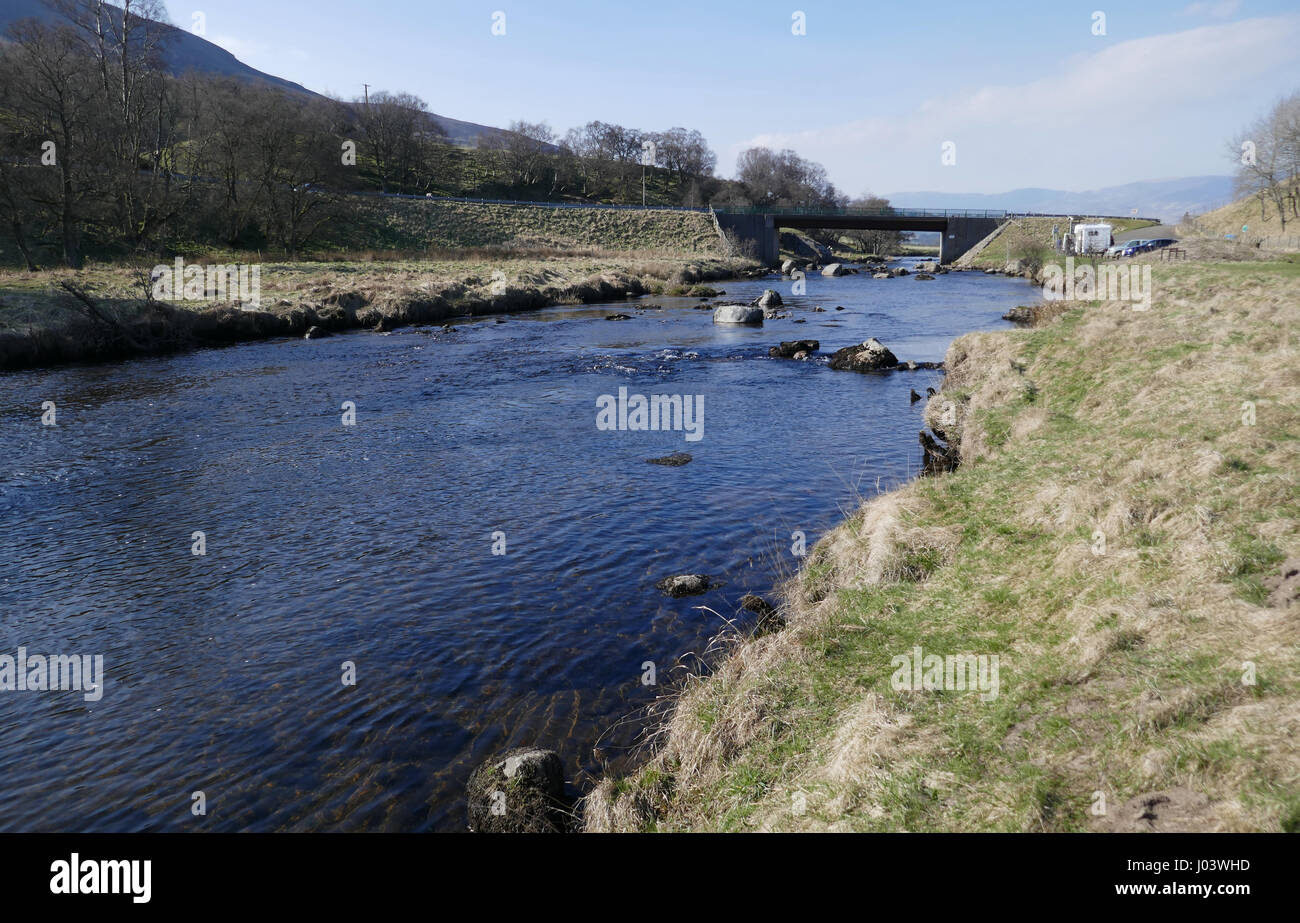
(50, 87)
(393, 126)
(1268, 159)
(785, 178)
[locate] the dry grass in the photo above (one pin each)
(40, 323)
(1108, 537)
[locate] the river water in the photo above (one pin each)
(373, 544)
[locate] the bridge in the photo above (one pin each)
(960, 229)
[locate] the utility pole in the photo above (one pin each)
(367, 88)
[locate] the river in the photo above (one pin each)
(373, 544)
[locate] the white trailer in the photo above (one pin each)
(1092, 238)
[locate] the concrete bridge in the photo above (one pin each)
(959, 229)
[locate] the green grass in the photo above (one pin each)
(1120, 672)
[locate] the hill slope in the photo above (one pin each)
(185, 52)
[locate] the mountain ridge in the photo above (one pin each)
(1166, 199)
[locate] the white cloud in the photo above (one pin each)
(1129, 111)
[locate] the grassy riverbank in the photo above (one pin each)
(43, 321)
(1113, 535)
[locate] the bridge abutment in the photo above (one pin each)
(962, 234)
(756, 231)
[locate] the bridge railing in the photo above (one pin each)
(820, 212)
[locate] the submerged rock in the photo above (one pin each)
(880, 275)
(737, 314)
(684, 585)
(315, 333)
(924, 277)
(870, 356)
(675, 460)
(519, 791)
(618, 317)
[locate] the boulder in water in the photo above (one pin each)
(790, 349)
(870, 356)
(684, 585)
(737, 314)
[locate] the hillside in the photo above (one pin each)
(1246, 221)
(185, 51)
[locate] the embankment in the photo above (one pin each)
(1022, 238)
(1112, 550)
(416, 224)
(43, 322)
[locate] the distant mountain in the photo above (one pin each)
(1166, 199)
(184, 51)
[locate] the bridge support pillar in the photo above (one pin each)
(964, 233)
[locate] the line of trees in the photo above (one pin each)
(601, 160)
(100, 145)
(1268, 160)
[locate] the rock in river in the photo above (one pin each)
(834, 269)
(315, 333)
(769, 299)
(684, 585)
(870, 356)
(789, 349)
(519, 791)
(737, 314)
(675, 460)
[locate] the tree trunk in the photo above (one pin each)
(21, 239)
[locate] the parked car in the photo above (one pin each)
(1134, 247)
(1159, 243)
(1119, 248)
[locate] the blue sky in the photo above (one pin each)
(1026, 92)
